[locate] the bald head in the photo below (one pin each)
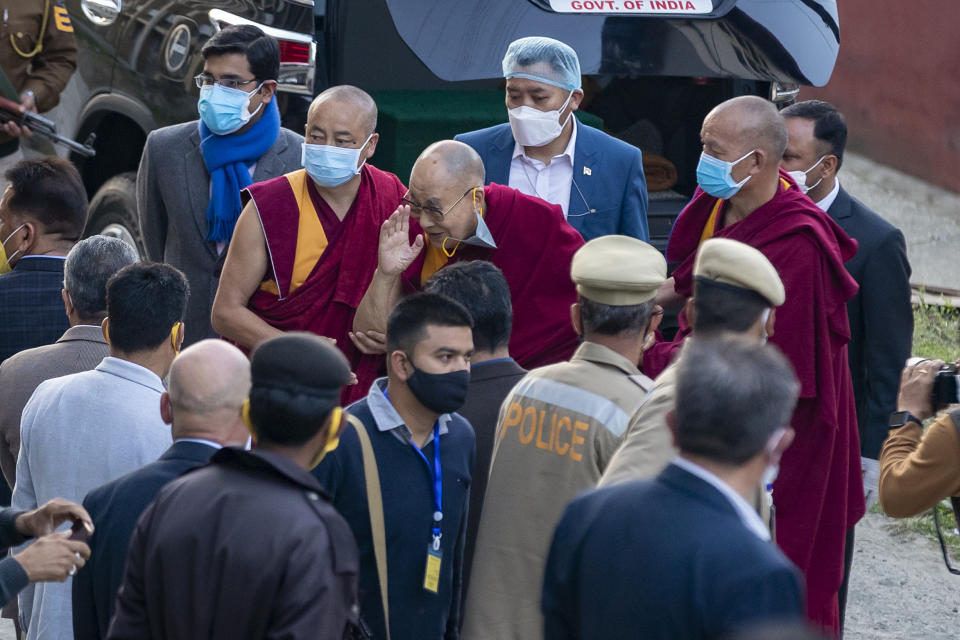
(352, 99)
(454, 162)
(208, 381)
(753, 121)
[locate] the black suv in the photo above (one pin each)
(653, 69)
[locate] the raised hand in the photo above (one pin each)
(369, 342)
(396, 253)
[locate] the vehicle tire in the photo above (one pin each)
(113, 211)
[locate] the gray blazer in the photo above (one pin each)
(173, 189)
(81, 348)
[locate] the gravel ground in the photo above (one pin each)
(899, 586)
(928, 216)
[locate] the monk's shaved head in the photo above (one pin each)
(755, 122)
(352, 98)
(458, 162)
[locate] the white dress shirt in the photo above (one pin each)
(748, 515)
(830, 197)
(550, 182)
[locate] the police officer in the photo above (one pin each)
(38, 54)
(558, 429)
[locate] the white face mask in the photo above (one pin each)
(763, 325)
(534, 128)
(800, 177)
(770, 473)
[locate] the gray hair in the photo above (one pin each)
(90, 263)
(610, 320)
(732, 394)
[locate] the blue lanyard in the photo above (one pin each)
(437, 483)
(437, 479)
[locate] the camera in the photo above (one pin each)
(945, 387)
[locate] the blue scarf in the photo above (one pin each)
(227, 158)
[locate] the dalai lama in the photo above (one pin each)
(744, 196)
(460, 219)
(305, 245)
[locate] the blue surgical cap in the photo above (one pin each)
(544, 60)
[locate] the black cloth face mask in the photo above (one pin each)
(439, 392)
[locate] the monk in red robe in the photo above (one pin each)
(818, 493)
(305, 245)
(460, 219)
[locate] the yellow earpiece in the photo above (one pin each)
(333, 436)
(245, 412)
(106, 331)
(173, 337)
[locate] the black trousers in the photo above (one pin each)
(847, 562)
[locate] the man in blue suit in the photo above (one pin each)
(543, 151)
(685, 555)
(208, 384)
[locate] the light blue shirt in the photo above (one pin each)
(78, 432)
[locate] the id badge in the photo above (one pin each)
(431, 577)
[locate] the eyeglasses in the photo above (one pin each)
(203, 80)
(434, 214)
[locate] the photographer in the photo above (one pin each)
(918, 469)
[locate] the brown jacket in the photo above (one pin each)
(81, 348)
(42, 54)
(918, 470)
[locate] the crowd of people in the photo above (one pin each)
(337, 404)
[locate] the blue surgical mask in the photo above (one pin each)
(225, 110)
(331, 166)
(713, 176)
(482, 236)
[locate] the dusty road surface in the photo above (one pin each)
(928, 216)
(899, 586)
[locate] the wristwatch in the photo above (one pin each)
(900, 418)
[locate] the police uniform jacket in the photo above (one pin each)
(37, 49)
(556, 433)
(246, 547)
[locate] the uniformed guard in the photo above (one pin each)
(558, 429)
(736, 290)
(38, 54)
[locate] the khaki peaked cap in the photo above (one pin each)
(739, 265)
(618, 271)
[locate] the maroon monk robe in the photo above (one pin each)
(819, 491)
(327, 300)
(534, 248)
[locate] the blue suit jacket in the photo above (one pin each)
(608, 172)
(667, 558)
(31, 309)
(115, 508)
(881, 316)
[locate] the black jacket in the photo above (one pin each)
(247, 547)
(490, 384)
(881, 316)
(115, 508)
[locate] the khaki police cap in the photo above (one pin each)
(618, 271)
(739, 265)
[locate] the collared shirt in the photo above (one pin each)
(387, 418)
(550, 182)
(209, 443)
(830, 197)
(748, 515)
